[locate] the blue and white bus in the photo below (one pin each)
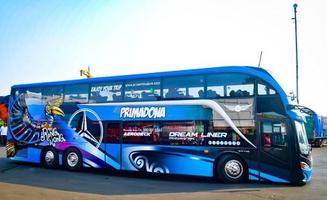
(230, 123)
(315, 126)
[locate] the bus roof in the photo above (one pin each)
(259, 72)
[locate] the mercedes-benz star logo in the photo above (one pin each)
(83, 129)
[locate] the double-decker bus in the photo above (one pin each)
(232, 123)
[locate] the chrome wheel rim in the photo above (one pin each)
(72, 159)
(234, 169)
(49, 157)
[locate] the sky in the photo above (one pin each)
(51, 40)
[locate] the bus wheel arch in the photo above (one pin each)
(230, 167)
(49, 157)
(72, 159)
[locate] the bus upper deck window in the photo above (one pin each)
(265, 90)
(106, 92)
(186, 87)
(77, 93)
(144, 89)
(229, 84)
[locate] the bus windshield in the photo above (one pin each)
(302, 138)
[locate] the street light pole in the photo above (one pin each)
(296, 55)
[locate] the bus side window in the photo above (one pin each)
(144, 89)
(187, 133)
(265, 90)
(77, 93)
(274, 138)
(34, 93)
(17, 92)
(106, 92)
(51, 93)
(186, 87)
(112, 133)
(274, 135)
(229, 84)
(240, 86)
(140, 133)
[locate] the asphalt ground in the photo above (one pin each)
(29, 181)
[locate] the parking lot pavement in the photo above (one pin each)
(29, 181)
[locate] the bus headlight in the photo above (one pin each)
(304, 166)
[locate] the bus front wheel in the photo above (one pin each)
(50, 158)
(231, 169)
(72, 159)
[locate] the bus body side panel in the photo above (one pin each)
(167, 159)
(28, 154)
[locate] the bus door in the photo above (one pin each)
(112, 140)
(274, 150)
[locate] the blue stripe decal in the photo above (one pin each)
(253, 173)
(272, 178)
(91, 163)
(253, 178)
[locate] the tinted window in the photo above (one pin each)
(274, 134)
(221, 134)
(239, 86)
(31, 95)
(148, 89)
(33, 92)
(141, 133)
(19, 91)
(274, 139)
(265, 90)
(231, 85)
(77, 93)
(215, 85)
(106, 92)
(183, 87)
(50, 93)
(270, 104)
(182, 133)
(112, 133)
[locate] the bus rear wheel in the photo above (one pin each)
(231, 169)
(72, 159)
(50, 158)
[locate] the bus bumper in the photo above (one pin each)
(307, 172)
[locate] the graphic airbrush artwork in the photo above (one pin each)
(29, 128)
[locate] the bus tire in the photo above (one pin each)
(318, 143)
(50, 158)
(231, 169)
(72, 159)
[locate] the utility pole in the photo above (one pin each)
(296, 54)
(260, 59)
